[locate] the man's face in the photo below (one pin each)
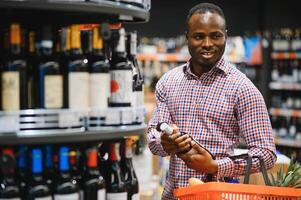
(206, 38)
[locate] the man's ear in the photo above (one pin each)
(186, 35)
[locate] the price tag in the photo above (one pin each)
(68, 120)
(113, 117)
(9, 123)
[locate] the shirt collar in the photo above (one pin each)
(221, 65)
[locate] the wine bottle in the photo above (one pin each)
(94, 183)
(14, 74)
(50, 76)
(115, 186)
(66, 187)
(99, 75)
(78, 73)
(23, 169)
(9, 187)
(128, 170)
(138, 92)
(37, 187)
(121, 73)
(49, 172)
(32, 64)
(76, 165)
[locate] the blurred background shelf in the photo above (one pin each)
(284, 86)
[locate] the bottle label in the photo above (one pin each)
(78, 90)
(121, 86)
(53, 91)
(99, 90)
(10, 199)
(10, 90)
(44, 198)
(101, 194)
(74, 196)
(117, 196)
(136, 196)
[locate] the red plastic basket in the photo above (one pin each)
(229, 191)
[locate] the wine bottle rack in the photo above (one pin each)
(49, 126)
(62, 12)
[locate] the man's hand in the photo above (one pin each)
(175, 143)
(199, 159)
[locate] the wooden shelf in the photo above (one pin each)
(285, 112)
(285, 55)
(164, 57)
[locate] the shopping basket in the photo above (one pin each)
(230, 191)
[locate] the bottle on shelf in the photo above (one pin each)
(128, 170)
(9, 186)
(99, 73)
(76, 165)
(14, 90)
(50, 78)
(37, 187)
(138, 92)
(23, 169)
(115, 185)
(121, 72)
(78, 73)
(296, 41)
(94, 183)
(66, 187)
(49, 172)
(32, 64)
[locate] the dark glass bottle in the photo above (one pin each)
(78, 73)
(32, 64)
(49, 172)
(121, 72)
(66, 187)
(76, 164)
(37, 187)
(94, 183)
(23, 169)
(99, 73)
(50, 76)
(14, 73)
(128, 170)
(9, 186)
(115, 185)
(138, 92)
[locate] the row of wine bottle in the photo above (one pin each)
(91, 172)
(69, 68)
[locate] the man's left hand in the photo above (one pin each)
(199, 159)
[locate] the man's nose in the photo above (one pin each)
(207, 42)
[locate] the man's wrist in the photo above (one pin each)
(214, 167)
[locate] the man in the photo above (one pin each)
(214, 103)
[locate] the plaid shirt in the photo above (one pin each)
(216, 109)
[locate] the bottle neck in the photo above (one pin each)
(114, 152)
(92, 158)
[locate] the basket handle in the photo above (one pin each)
(263, 169)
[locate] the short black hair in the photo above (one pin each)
(202, 8)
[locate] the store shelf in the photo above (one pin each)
(61, 12)
(78, 135)
(284, 86)
(164, 57)
(285, 112)
(286, 55)
(288, 142)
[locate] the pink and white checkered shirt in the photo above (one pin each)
(216, 109)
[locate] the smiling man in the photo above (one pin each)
(213, 102)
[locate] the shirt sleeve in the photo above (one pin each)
(256, 130)
(161, 114)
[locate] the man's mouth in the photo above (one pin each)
(207, 54)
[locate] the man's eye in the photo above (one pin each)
(198, 37)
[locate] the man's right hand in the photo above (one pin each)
(175, 143)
